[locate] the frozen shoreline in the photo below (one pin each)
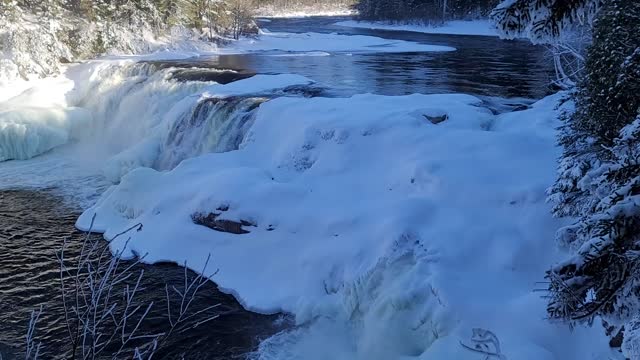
(303, 13)
(456, 27)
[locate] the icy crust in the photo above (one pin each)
(454, 27)
(386, 235)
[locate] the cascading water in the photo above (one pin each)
(214, 125)
(146, 116)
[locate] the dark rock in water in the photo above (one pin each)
(229, 226)
(437, 119)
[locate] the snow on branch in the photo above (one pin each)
(542, 20)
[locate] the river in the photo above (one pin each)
(34, 220)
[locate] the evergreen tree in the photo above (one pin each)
(599, 173)
(599, 178)
(608, 96)
(422, 10)
(542, 20)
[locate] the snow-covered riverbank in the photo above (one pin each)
(454, 27)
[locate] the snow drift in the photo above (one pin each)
(386, 235)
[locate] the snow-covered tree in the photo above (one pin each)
(603, 277)
(606, 100)
(423, 10)
(599, 172)
(542, 20)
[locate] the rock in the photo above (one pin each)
(228, 226)
(436, 119)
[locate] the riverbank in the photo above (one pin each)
(454, 27)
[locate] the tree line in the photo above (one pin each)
(227, 18)
(424, 10)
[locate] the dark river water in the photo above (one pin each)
(34, 223)
(33, 227)
(482, 65)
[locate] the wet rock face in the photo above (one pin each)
(228, 226)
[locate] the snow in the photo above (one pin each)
(307, 13)
(455, 27)
(256, 85)
(317, 42)
(387, 236)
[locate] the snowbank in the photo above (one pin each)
(387, 235)
(457, 27)
(298, 10)
(310, 42)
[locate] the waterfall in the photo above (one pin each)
(214, 125)
(144, 115)
(128, 115)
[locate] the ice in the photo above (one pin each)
(454, 27)
(28, 132)
(34, 120)
(316, 42)
(387, 236)
(257, 84)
